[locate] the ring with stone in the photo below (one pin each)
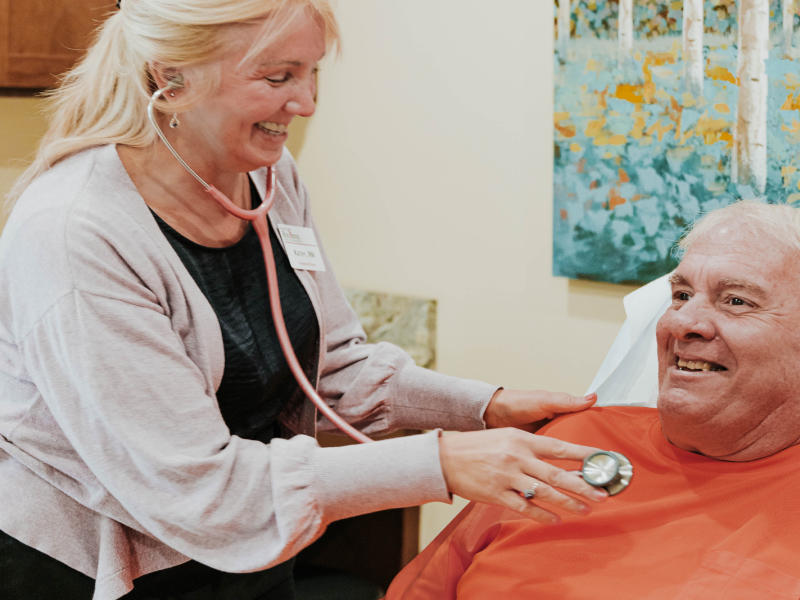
(530, 493)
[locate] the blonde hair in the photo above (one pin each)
(778, 222)
(103, 99)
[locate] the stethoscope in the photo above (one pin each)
(258, 217)
(609, 470)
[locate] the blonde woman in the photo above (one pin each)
(153, 443)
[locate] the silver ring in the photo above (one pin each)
(530, 493)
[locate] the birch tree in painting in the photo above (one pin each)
(564, 19)
(693, 46)
(625, 29)
(750, 134)
(788, 25)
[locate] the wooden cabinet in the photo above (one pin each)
(40, 39)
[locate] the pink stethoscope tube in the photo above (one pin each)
(258, 217)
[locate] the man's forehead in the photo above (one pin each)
(736, 262)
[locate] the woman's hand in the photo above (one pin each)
(496, 466)
(528, 410)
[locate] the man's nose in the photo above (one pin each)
(693, 320)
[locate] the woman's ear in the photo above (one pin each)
(166, 76)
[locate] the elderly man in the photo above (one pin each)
(713, 507)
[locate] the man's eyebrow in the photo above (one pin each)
(726, 283)
(677, 279)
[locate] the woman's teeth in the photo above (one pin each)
(694, 365)
(272, 128)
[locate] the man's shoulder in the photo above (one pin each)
(604, 426)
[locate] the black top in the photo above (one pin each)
(256, 383)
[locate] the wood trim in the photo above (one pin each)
(410, 547)
(5, 9)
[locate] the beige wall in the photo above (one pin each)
(429, 164)
(21, 124)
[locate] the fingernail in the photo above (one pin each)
(590, 397)
(554, 520)
(584, 509)
(599, 496)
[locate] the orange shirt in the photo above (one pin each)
(686, 528)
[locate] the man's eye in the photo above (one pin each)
(683, 296)
(282, 79)
(738, 302)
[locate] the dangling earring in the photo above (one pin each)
(174, 122)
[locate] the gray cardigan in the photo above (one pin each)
(114, 458)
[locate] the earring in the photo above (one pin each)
(174, 122)
(172, 94)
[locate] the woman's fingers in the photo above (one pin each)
(545, 493)
(526, 508)
(565, 480)
(494, 466)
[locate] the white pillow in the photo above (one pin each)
(629, 373)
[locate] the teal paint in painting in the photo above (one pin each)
(637, 157)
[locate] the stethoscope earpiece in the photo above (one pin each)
(611, 471)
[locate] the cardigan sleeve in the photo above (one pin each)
(377, 387)
(137, 413)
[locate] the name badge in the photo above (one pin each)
(301, 248)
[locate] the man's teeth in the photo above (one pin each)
(272, 128)
(695, 365)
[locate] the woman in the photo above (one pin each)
(147, 415)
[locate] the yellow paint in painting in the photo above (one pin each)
(793, 198)
(649, 92)
(575, 147)
(568, 130)
(721, 74)
(601, 139)
(686, 135)
(786, 173)
(792, 81)
(614, 199)
(601, 99)
(607, 156)
(593, 65)
(617, 140)
(791, 103)
(638, 56)
(722, 108)
(688, 100)
(713, 130)
(594, 127)
(631, 93)
(638, 128)
(646, 141)
(614, 113)
(659, 129)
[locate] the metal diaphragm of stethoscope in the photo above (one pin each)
(611, 471)
(259, 219)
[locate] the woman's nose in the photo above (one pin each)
(303, 102)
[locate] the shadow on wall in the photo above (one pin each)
(597, 301)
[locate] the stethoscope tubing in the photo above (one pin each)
(258, 217)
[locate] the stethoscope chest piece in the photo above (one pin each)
(611, 471)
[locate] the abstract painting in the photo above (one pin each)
(665, 111)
